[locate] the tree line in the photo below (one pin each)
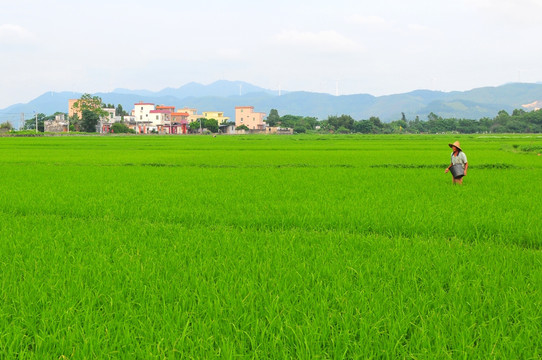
(520, 121)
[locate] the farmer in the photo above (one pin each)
(458, 157)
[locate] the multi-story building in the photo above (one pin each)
(166, 108)
(72, 111)
(142, 111)
(179, 117)
(217, 115)
(192, 114)
(160, 117)
(245, 115)
(110, 115)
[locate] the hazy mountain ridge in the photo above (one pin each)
(225, 95)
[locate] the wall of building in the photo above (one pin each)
(217, 115)
(245, 115)
(142, 111)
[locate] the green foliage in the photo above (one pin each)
(519, 122)
(294, 121)
(211, 125)
(300, 130)
(119, 111)
(343, 121)
(242, 127)
(273, 118)
(194, 126)
(138, 251)
(30, 124)
(89, 121)
(120, 128)
(343, 130)
(91, 103)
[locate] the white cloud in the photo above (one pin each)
(418, 27)
(229, 54)
(14, 34)
(525, 12)
(370, 20)
(322, 41)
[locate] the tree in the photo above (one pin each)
(194, 126)
(90, 121)
(376, 124)
(466, 126)
(289, 121)
(30, 124)
(119, 111)
(90, 103)
(211, 125)
(398, 126)
(343, 130)
(273, 118)
(363, 126)
(75, 123)
(336, 122)
(242, 127)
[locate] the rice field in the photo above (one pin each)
(309, 247)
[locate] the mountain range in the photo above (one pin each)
(225, 95)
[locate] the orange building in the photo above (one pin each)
(245, 115)
(71, 110)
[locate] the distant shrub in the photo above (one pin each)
(300, 130)
(6, 125)
(343, 130)
(120, 128)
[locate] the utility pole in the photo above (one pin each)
(36, 122)
(21, 125)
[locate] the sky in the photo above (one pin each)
(337, 47)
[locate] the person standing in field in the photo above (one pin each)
(458, 158)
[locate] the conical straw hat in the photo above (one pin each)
(456, 144)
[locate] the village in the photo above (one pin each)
(149, 118)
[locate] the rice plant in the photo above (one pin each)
(269, 247)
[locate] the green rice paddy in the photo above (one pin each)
(309, 247)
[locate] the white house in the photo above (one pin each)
(142, 111)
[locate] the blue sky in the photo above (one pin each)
(383, 47)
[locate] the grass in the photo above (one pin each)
(269, 247)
